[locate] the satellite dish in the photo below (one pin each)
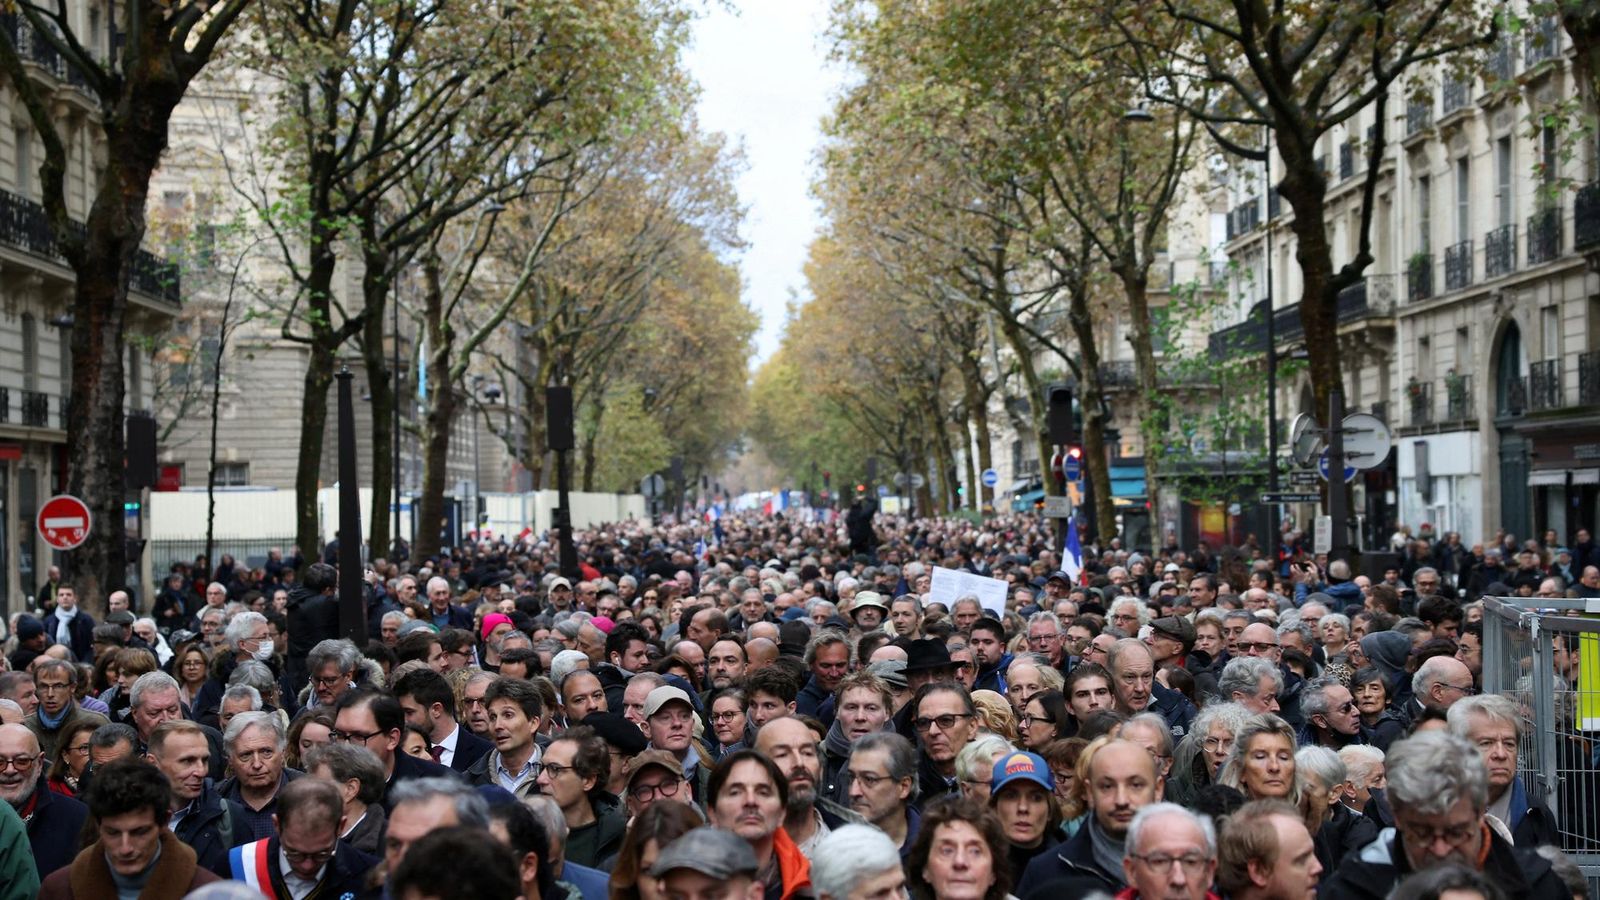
(1366, 440)
(1305, 439)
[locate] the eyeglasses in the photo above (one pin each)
(20, 763)
(645, 792)
(1213, 744)
(870, 780)
(1347, 706)
(725, 716)
(48, 688)
(1424, 835)
(296, 856)
(1027, 719)
(1255, 646)
(944, 722)
(81, 748)
(353, 737)
(330, 680)
(1467, 691)
(1161, 862)
(554, 770)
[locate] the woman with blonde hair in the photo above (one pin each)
(995, 715)
(1261, 764)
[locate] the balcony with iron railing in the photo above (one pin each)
(1513, 397)
(1458, 265)
(1586, 218)
(1458, 398)
(1503, 57)
(31, 409)
(1419, 116)
(1500, 251)
(1419, 402)
(1542, 41)
(1419, 276)
(1544, 235)
(1589, 378)
(1544, 385)
(40, 52)
(1371, 297)
(25, 225)
(1455, 94)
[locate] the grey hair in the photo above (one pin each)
(1314, 697)
(265, 721)
(1359, 761)
(254, 674)
(1340, 619)
(1243, 674)
(899, 755)
(471, 809)
(440, 581)
(1493, 707)
(1156, 723)
(393, 615)
(243, 692)
(980, 751)
(8, 703)
(1142, 819)
(847, 856)
(239, 628)
(1049, 675)
(1429, 674)
(549, 814)
(212, 612)
(1322, 763)
(1140, 608)
(565, 663)
(338, 651)
(1301, 628)
(568, 628)
(1411, 626)
(1048, 618)
(1565, 869)
(224, 890)
(1210, 614)
(1254, 727)
(113, 733)
(150, 682)
(347, 761)
(1230, 716)
(1430, 772)
(1245, 614)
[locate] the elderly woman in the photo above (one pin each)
(960, 853)
(1324, 780)
(1199, 756)
(1333, 631)
(1261, 764)
(994, 715)
(856, 862)
(975, 764)
(1369, 688)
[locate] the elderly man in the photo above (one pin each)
(246, 637)
(304, 855)
(333, 665)
(199, 816)
(53, 820)
(1439, 683)
(1122, 781)
(441, 611)
(425, 805)
(1251, 682)
(1045, 634)
(857, 862)
(1266, 853)
(55, 683)
(828, 658)
(1135, 689)
(1332, 719)
(255, 742)
(153, 700)
(430, 704)
(669, 723)
(944, 720)
(375, 720)
(1170, 854)
(1439, 790)
(1490, 723)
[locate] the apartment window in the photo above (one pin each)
(1502, 191)
(233, 474)
(1424, 215)
(1463, 349)
(30, 352)
(1463, 200)
(1424, 358)
(1550, 328)
(24, 173)
(1549, 165)
(135, 379)
(93, 42)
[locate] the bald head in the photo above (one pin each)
(759, 653)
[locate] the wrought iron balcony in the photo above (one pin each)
(1544, 384)
(1455, 94)
(1589, 378)
(1502, 59)
(1513, 396)
(25, 225)
(38, 51)
(1419, 115)
(1544, 235)
(1458, 398)
(1543, 40)
(1419, 400)
(1419, 277)
(1458, 265)
(1347, 161)
(1499, 252)
(1586, 217)
(35, 409)
(1370, 297)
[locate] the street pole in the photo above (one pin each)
(558, 427)
(352, 606)
(1338, 548)
(399, 398)
(1272, 359)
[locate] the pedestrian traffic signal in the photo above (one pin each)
(1058, 414)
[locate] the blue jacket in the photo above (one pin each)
(593, 884)
(215, 826)
(1174, 707)
(994, 679)
(814, 701)
(53, 830)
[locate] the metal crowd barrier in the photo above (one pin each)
(1544, 654)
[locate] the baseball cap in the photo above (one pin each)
(710, 851)
(1059, 575)
(560, 582)
(1177, 628)
(663, 695)
(649, 758)
(1170, 567)
(28, 628)
(1020, 766)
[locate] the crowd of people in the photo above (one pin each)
(767, 708)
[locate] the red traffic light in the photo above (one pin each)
(1075, 452)
(861, 489)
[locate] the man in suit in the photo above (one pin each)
(429, 704)
(305, 857)
(374, 719)
(70, 625)
(443, 613)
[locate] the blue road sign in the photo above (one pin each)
(990, 478)
(1072, 468)
(1322, 468)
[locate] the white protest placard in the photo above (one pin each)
(950, 584)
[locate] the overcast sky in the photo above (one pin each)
(766, 83)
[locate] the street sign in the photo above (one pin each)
(1366, 441)
(1305, 476)
(653, 486)
(1058, 507)
(1305, 438)
(1322, 535)
(64, 522)
(1322, 468)
(990, 478)
(883, 490)
(1290, 497)
(1072, 468)
(914, 480)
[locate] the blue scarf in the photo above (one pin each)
(51, 724)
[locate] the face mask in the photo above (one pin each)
(263, 652)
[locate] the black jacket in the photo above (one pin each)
(1069, 870)
(469, 749)
(213, 827)
(930, 784)
(1175, 708)
(313, 618)
(81, 631)
(53, 829)
(1341, 835)
(345, 875)
(814, 701)
(1372, 872)
(408, 768)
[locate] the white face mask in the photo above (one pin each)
(264, 651)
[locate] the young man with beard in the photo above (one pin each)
(792, 746)
(53, 820)
(429, 704)
(747, 795)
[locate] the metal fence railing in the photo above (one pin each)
(250, 551)
(1546, 658)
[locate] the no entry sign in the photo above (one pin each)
(64, 521)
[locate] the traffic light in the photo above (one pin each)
(1058, 414)
(861, 489)
(1075, 452)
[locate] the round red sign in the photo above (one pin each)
(64, 521)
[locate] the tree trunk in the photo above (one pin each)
(1095, 459)
(974, 497)
(436, 422)
(381, 390)
(1581, 18)
(1319, 313)
(313, 427)
(1134, 284)
(1023, 351)
(591, 458)
(977, 402)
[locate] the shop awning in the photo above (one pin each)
(1018, 487)
(1025, 501)
(1127, 482)
(1586, 476)
(1547, 477)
